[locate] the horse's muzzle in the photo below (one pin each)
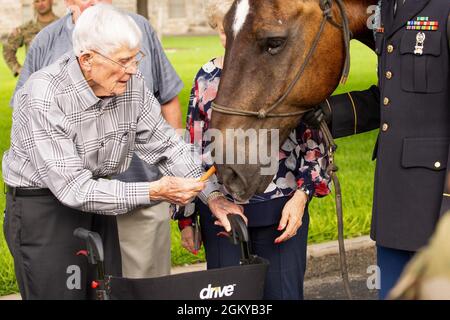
(234, 181)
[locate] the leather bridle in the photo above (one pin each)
(326, 6)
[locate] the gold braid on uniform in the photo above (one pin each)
(354, 111)
(329, 106)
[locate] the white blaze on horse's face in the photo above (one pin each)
(242, 11)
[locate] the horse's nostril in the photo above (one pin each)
(234, 181)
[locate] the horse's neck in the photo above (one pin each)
(359, 13)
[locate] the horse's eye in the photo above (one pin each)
(275, 45)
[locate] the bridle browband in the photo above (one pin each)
(326, 6)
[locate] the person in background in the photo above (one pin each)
(277, 219)
(145, 233)
(23, 35)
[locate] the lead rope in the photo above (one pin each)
(331, 145)
(331, 170)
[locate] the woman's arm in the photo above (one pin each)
(312, 175)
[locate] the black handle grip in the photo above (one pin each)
(81, 233)
(93, 243)
(240, 235)
(239, 231)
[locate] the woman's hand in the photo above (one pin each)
(292, 215)
(187, 239)
(180, 191)
(221, 207)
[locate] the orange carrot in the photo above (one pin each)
(207, 174)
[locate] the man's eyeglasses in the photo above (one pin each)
(135, 61)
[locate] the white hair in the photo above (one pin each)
(105, 29)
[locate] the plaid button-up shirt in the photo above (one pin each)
(67, 139)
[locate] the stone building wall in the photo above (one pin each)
(167, 16)
(179, 16)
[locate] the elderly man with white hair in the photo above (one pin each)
(144, 234)
(75, 124)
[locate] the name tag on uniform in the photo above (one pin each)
(422, 24)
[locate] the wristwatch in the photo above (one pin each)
(213, 195)
(305, 190)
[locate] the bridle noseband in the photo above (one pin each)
(326, 6)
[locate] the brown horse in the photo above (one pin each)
(268, 41)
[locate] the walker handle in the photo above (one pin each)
(94, 244)
(239, 231)
(239, 235)
(94, 254)
(81, 233)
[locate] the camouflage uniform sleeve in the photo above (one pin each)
(34, 60)
(14, 41)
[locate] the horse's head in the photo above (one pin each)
(268, 42)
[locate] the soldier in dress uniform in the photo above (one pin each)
(23, 35)
(411, 107)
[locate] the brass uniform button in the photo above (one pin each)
(389, 75)
(385, 127)
(437, 165)
(390, 48)
(386, 101)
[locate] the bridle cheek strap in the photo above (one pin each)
(326, 6)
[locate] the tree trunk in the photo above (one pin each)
(142, 8)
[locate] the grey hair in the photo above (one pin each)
(105, 29)
(216, 11)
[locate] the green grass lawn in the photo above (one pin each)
(187, 54)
